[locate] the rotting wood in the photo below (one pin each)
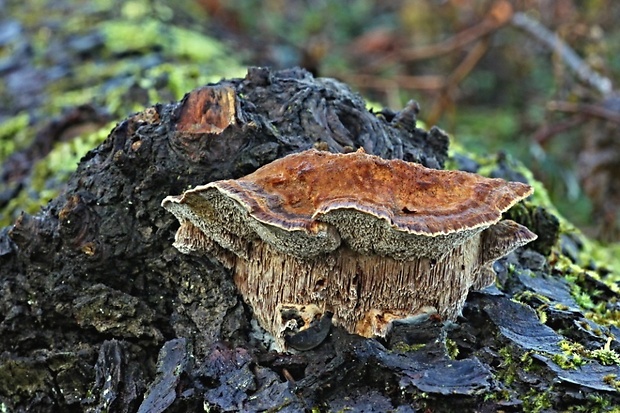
(113, 232)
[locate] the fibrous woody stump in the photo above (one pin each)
(369, 239)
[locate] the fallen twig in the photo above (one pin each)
(595, 111)
(583, 71)
(498, 16)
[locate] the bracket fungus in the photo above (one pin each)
(367, 239)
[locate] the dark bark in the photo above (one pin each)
(101, 313)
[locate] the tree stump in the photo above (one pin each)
(101, 313)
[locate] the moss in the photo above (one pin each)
(536, 401)
(406, 348)
(585, 294)
(14, 134)
(594, 403)
(452, 348)
(509, 371)
(507, 367)
(612, 380)
(179, 80)
(542, 314)
(527, 362)
(527, 296)
(145, 58)
(497, 396)
(575, 354)
(538, 302)
(604, 316)
(21, 376)
(605, 355)
(606, 256)
(583, 298)
(568, 362)
(598, 308)
(489, 163)
(145, 35)
(585, 325)
(572, 356)
(49, 174)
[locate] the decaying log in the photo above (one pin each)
(102, 313)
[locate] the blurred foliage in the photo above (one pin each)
(116, 56)
(13, 133)
(124, 55)
(499, 105)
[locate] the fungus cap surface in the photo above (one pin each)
(388, 207)
(292, 191)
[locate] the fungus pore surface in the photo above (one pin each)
(367, 238)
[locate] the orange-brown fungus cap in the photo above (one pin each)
(293, 191)
(388, 207)
(371, 239)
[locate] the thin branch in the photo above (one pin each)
(568, 55)
(546, 132)
(595, 111)
(498, 16)
(428, 82)
(470, 61)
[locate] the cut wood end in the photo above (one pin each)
(209, 109)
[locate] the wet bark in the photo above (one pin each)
(101, 313)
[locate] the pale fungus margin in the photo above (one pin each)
(367, 239)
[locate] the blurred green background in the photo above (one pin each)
(493, 93)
